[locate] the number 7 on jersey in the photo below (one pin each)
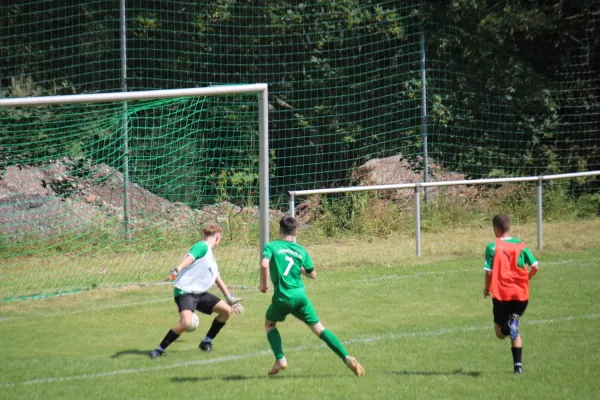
(290, 261)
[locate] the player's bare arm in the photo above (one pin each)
(234, 302)
(533, 270)
(186, 262)
(488, 281)
(311, 275)
(222, 286)
(264, 275)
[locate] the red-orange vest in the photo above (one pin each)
(509, 282)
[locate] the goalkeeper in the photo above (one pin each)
(196, 274)
(286, 261)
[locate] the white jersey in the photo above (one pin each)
(201, 275)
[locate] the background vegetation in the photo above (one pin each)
(512, 86)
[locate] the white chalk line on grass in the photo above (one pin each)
(450, 271)
(400, 276)
(365, 280)
(91, 309)
(370, 339)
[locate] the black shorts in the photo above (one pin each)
(504, 309)
(204, 302)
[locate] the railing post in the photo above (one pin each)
(292, 206)
(539, 214)
(418, 218)
(123, 38)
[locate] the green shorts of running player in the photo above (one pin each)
(299, 306)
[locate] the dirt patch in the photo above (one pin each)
(70, 195)
(396, 169)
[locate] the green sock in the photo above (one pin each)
(275, 341)
(334, 344)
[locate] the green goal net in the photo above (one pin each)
(66, 222)
(511, 89)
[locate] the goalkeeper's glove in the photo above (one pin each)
(173, 274)
(234, 302)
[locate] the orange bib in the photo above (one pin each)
(509, 282)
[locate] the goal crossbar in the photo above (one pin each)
(259, 88)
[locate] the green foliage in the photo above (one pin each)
(375, 215)
(507, 64)
(588, 205)
(233, 184)
(362, 214)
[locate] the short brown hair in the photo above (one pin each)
(502, 222)
(288, 225)
(212, 229)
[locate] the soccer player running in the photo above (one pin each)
(286, 261)
(507, 280)
(196, 274)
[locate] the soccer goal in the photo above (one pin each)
(109, 190)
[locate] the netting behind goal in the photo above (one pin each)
(511, 89)
(63, 219)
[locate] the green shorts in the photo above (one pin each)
(300, 307)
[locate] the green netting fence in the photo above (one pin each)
(511, 89)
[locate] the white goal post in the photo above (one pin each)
(261, 89)
(417, 198)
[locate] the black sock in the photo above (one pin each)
(214, 330)
(517, 353)
(170, 337)
(505, 329)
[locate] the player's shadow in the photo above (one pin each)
(226, 378)
(131, 352)
(231, 378)
(472, 374)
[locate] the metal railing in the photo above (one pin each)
(417, 196)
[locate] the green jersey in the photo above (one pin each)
(285, 260)
(525, 258)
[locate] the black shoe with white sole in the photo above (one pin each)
(518, 369)
(205, 346)
(155, 353)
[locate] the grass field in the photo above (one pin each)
(421, 329)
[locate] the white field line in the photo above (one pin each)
(317, 286)
(370, 339)
(403, 276)
(455, 271)
(86, 310)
